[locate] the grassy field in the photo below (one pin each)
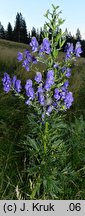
(14, 125)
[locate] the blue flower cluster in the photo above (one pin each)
(44, 90)
(69, 49)
(49, 97)
(28, 58)
(11, 84)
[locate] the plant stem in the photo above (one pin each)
(45, 137)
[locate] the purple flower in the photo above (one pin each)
(41, 99)
(69, 50)
(54, 104)
(38, 77)
(45, 46)
(16, 84)
(20, 56)
(57, 94)
(49, 80)
(65, 86)
(28, 84)
(28, 56)
(29, 89)
(49, 110)
(56, 65)
(25, 64)
(50, 74)
(6, 82)
(68, 72)
(78, 49)
(63, 69)
(28, 102)
(30, 93)
(40, 89)
(34, 60)
(63, 94)
(34, 44)
(68, 100)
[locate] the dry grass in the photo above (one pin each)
(8, 52)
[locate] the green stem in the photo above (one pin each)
(45, 137)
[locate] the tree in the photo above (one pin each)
(78, 34)
(20, 29)
(9, 33)
(66, 33)
(23, 31)
(38, 35)
(41, 35)
(2, 31)
(29, 38)
(33, 32)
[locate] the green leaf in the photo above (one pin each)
(32, 143)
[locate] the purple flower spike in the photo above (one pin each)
(39, 90)
(6, 82)
(68, 100)
(45, 46)
(68, 72)
(57, 94)
(49, 80)
(65, 86)
(38, 77)
(69, 50)
(34, 44)
(16, 84)
(63, 94)
(56, 66)
(30, 93)
(29, 89)
(20, 56)
(49, 110)
(25, 64)
(63, 69)
(28, 84)
(28, 56)
(41, 99)
(78, 49)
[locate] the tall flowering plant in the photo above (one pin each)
(49, 97)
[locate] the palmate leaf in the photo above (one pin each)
(32, 143)
(56, 143)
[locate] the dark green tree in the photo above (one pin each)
(2, 31)
(23, 32)
(29, 37)
(66, 33)
(20, 29)
(78, 34)
(17, 28)
(9, 32)
(38, 35)
(33, 32)
(41, 35)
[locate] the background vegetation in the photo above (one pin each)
(19, 33)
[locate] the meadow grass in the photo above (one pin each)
(14, 125)
(8, 54)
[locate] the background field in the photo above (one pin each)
(14, 125)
